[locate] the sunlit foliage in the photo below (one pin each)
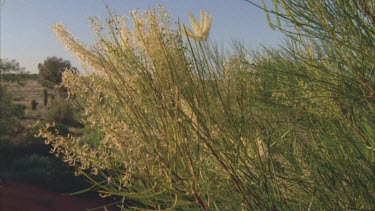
(182, 126)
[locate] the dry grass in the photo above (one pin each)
(24, 93)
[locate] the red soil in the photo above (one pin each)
(22, 197)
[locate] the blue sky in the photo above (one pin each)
(26, 33)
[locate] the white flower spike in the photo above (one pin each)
(200, 31)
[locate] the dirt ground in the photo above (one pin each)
(22, 197)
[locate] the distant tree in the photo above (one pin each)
(51, 70)
(10, 66)
(10, 70)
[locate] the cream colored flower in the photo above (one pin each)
(200, 31)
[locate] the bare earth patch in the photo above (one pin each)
(22, 197)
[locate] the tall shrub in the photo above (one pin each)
(322, 93)
(184, 126)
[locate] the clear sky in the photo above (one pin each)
(26, 34)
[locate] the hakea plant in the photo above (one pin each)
(160, 140)
(200, 31)
(172, 123)
(175, 124)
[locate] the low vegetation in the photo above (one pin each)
(25, 158)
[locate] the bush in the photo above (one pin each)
(34, 104)
(19, 98)
(185, 127)
(9, 112)
(11, 150)
(62, 112)
(29, 161)
(46, 172)
(19, 110)
(45, 97)
(7, 149)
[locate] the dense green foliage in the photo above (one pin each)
(62, 111)
(29, 161)
(324, 83)
(183, 126)
(51, 70)
(9, 112)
